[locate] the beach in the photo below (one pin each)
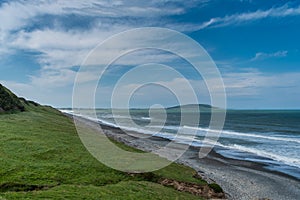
(239, 179)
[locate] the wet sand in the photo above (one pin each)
(239, 179)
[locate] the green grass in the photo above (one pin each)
(9, 102)
(122, 190)
(42, 157)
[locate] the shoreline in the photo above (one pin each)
(239, 179)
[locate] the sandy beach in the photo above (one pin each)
(241, 180)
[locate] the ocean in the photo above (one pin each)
(270, 137)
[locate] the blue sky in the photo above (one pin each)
(254, 43)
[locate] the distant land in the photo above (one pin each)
(193, 107)
(186, 107)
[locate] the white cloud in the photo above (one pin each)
(247, 86)
(257, 83)
(17, 14)
(60, 48)
(239, 18)
(53, 78)
(258, 90)
(63, 48)
(262, 55)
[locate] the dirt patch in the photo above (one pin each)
(200, 190)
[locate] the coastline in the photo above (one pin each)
(239, 179)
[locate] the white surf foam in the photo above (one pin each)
(284, 159)
(286, 139)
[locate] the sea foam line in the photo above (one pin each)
(245, 134)
(287, 160)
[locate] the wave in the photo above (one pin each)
(287, 160)
(295, 162)
(146, 118)
(226, 132)
(246, 134)
(167, 127)
(90, 118)
(66, 111)
(111, 116)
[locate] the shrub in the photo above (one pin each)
(215, 187)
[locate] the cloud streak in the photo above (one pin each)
(263, 56)
(17, 14)
(235, 19)
(61, 47)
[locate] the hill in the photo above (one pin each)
(9, 102)
(42, 157)
(192, 107)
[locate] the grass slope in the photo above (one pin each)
(9, 102)
(42, 157)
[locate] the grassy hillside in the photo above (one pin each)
(41, 156)
(9, 102)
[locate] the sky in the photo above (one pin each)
(254, 43)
